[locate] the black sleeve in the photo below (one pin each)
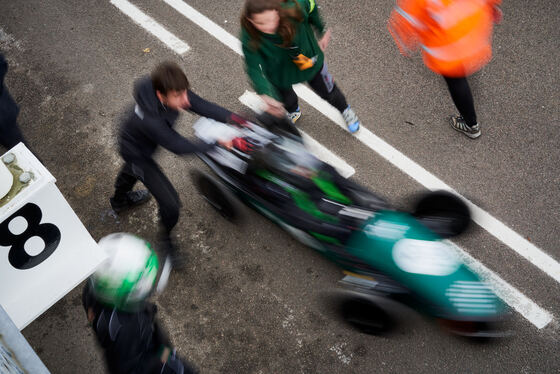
(172, 140)
(207, 109)
(160, 336)
(131, 347)
(3, 70)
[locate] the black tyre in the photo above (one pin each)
(217, 195)
(366, 316)
(476, 331)
(444, 213)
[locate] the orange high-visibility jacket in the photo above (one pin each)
(454, 35)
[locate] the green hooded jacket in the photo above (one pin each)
(271, 67)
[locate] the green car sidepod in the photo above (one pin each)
(399, 246)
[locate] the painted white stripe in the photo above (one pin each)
(473, 301)
(253, 101)
(475, 288)
(474, 310)
(150, 25)
(327, 156)
(458, 293)
(471, 292)
(521, 303)
(206, 24)
(468, 282)
(526, 307)
(473, 306)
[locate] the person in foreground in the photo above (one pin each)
(124, 322)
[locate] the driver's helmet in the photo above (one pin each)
(126, 279)
(288, 155)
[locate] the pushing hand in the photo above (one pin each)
(227, 144)
(273, 106)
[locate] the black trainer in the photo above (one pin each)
(133, 198)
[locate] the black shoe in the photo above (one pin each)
(133, 198)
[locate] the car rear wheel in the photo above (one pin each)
(444, 213)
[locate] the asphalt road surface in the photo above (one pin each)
(250, 299)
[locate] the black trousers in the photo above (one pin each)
(149, 173)
(10, 134)
(323, 85)
(462, 98)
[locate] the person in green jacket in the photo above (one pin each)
(281, 49)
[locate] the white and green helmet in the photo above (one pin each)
(128, 276)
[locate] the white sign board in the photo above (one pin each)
(45, 251)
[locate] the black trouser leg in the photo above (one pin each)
(462, 98)
(10, 134)
(323, 84)
(289, 99)
(159, 186)
(164, 193)
(125, 182)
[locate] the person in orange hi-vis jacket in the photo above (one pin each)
(455, 39)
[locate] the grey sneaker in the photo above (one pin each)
(351, 119)
(294, 116)
(459, 124)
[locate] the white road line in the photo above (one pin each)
(521, 303)
(150, 25)
(533, 254)
(253, 101)
(206, 24)
(325, 155)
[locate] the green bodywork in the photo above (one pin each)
(302, 199)
(396, 244)
(330, 189)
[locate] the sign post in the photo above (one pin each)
(16, 355)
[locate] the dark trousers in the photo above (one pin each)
(10, 134)
(323, 85)
(149, 173)
(462, 98)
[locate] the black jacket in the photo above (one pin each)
(8, 107)
(150, 124)
(131, 341)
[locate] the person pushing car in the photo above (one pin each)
(159, 99)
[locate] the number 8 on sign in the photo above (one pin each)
(18, 257)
